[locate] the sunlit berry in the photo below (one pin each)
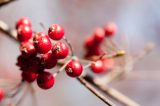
(24, 33)
(23, 22)
(60, 50)
(74, 68)
(56, 32)
(42, 43)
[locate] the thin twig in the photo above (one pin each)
(17, 89)
(111, 92)
(69, 44)
(8, 31)
(42, 26)
(33, 95)
(23, 96)
(5, 2)
(62, 67)
(95, 91)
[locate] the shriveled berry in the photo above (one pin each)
(27, 49)
(110, 29)
(1, 94)
(98, 67)
(24, 33)
(48, 60)
(42, 43)
(74, 68)
(99, 35)
(23, 22)
(29, 76)
(60, 50)
(45, 80)
(56, 32)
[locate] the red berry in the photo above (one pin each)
(42, 43)
(110, 29)
(39, 35)
(99, 35)
(48, 60)
(21, 61)
(89, 42)
(23, 21)
(27, 49)
(29, 76)
(74, 68)
(45, 80)
(108, 64)
(34, 63)
(1, 94)
(94, 51)
(60, 50)
(98, 67)
(56, 32)
(24, 33)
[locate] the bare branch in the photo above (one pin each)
(95, 91)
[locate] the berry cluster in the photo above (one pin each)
(93, 47)
(40, 51)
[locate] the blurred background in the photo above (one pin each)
(137, 20)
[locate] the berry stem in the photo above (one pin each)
(17, 88)
(42, 26)
(63, 67)
(69, 44)
(22, 96)
(113, 45)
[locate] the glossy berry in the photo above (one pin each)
(74, 68)
(42, 43)
(23, 22)
(56, 32)
(98, 67)
(39, 35)
(29, 76)
(27, 49)
(24, 33)
(110, 29)
(1, 94)
(48, 60)
(45, 80)
(99, 35)
(60, 50)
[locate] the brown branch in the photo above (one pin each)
(111, 92)
(5, 2)
(8, 31)
(95, 91)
